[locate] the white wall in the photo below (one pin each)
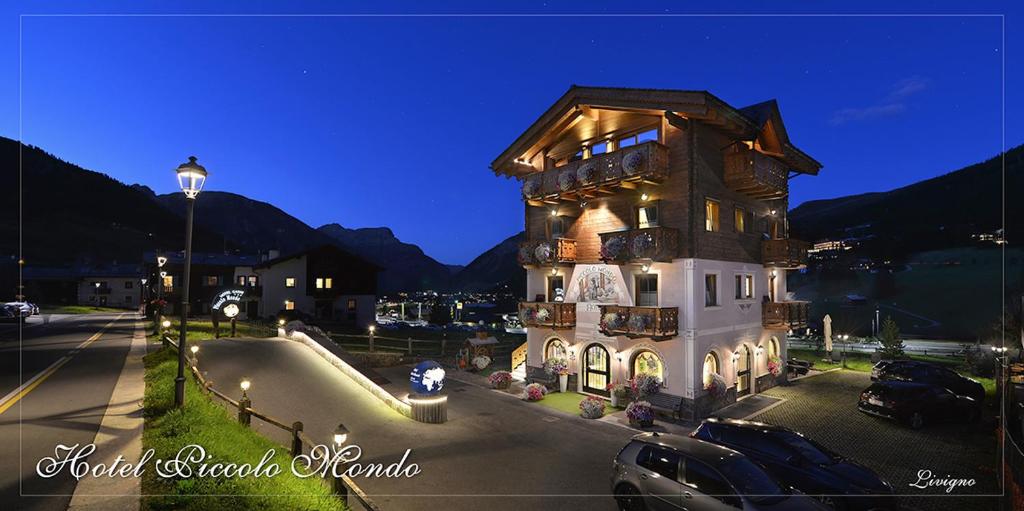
(274, 291)
(119, 296)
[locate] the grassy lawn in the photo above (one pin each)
(200, 330)
(78, 309)
(862, 362)
(569, 402)
(208, 424)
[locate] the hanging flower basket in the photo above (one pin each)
(644, 385)
(612, 247)
(525, 255)
(774, 365)
(543, 253)
(543, 314)
(528, 315)
(586, 174)
(566, 180)
(642, 244)
(531, 186)
(612, 321)
(633, 163)
(638, 323)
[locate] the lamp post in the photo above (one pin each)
(160, 274)
(340, 435)
(191, 177)
(142, 298)
(96, 286)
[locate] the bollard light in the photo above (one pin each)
(245, 384)
(280, 322)
(340, 435)
(166, 323)
(195, 349)
(372, 329)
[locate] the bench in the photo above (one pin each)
(665, 404)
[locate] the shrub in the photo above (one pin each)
(500, 379)
(592, 407)
(892, 344)
(640, 411)
(981, 362)
(534, 392)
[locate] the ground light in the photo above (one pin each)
(191, 177)
(244, 385)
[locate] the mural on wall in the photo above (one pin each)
(598, 284)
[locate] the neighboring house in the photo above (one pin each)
(325, 282)
(210, 274)
(657, 241)
(111, 286)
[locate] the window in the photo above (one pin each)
(289, 305)
(647, 290)
(556, 348)
(289, 282)
(648, 362)
(711, 215)
(128, 300)
(710, 289)
(710, 367)
(647, 216)
(660, 461)
(324, 282)
(328, 282)
(211, 280)
(128, 284)
(740, 219)
(744, 286)
(773, 348)
(241, 280)
(556, 227)
(599, 148)
(556, 288)
(169, 281)
(708, 481)
(253, 280)
(639, 138)
(351, 304)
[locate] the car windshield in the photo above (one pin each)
(752, 482)
(811, 451)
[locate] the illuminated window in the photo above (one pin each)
(289, 282)
(169, 281)
(647, 362)
(647, 216)
(773, 347)
(710, 367)
(556, 348)
(324, 282)
(241, 280)
(289, 305)
(741, 225)
(744, 286)
(253, 280)
(319, 283)
(647, 290)
(328, 282)
(212, 280)
(711, 216)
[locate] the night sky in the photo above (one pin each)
(393, 121)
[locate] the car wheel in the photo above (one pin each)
(916, 420)
(629, 498)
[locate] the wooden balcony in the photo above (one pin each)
(548, 314)
(539, 253)
(658, 323)
(756, 174)
(785, 315)
(785, 253)
(599, 175)
(639, 245)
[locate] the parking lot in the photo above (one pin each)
(824, 408)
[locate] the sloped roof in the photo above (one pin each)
(334, 248)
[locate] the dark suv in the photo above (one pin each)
(800, 462)
(932, 374)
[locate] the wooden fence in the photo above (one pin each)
(410, 346)
(343, 486)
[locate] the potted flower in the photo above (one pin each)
(612, 247)
(644, 385)
(618, 392)
(592, 407)
(500, 380)
(640, 414)
(558, 366)
(715, 386)
(774, 365)
(534, 392)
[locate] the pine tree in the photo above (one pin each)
(892, 344)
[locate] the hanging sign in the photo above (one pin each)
(226, 302)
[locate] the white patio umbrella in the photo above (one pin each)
(828, 334)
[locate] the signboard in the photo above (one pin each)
(427, 378)
(227, 302)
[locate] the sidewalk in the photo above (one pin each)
(120, 433)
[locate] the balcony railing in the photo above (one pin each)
(642, 162)
(658, 323)
(785, 253)
(650, 244)
(785, 315)
(756, 174)
(537, 253)
(548, 314)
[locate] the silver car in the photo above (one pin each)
(671, 472)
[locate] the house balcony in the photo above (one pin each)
(599, 175)
(785, 253)
(548, 314)
(658, 323)
(785, 315)
(539, 253)
(756, 175)
(659, 244)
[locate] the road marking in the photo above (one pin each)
(15, 395)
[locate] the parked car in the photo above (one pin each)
(802, 463)
(26, 308)
(923, 372)
(671, 472)
(917, 404)
(10, 313)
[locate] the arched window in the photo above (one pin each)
(773, 348)
(648, 362)
(710, 367)
(556, 348)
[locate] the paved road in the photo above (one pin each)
(912, 346)
(495, 452)
(67, 404)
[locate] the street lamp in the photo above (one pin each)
(96, 286)
(191, 177)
